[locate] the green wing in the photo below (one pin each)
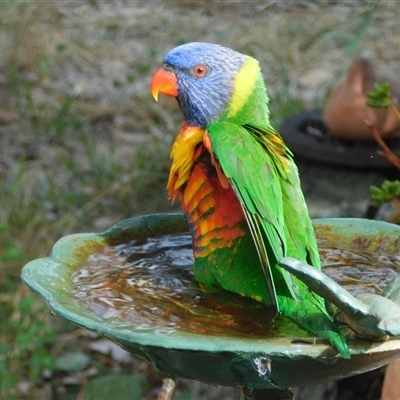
(270, 195)
(265, 180)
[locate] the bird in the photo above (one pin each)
(238, 185)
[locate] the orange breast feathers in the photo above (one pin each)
(185, 151)
(212, 209)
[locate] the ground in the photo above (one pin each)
(83, 144)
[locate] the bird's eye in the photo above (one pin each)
(200, 70)
(167, 66)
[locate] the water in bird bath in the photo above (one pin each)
(150, 285)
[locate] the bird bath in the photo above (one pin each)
(133, 284)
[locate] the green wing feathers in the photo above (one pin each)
(256, 180)
(265, 179)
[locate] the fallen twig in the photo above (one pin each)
(387, 152)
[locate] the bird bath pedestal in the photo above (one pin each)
(133, 284)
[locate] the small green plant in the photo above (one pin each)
(389, 191)
(380, 97)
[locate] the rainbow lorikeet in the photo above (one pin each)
(238, 184)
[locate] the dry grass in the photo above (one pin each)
(83, 145)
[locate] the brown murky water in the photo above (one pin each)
(151, 286)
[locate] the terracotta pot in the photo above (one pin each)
(391, 383)
(346, 111)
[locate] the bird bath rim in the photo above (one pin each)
(49, 277)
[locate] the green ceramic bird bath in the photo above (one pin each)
(133, 284)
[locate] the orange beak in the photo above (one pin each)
(165, 82)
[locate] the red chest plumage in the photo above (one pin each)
(212, 209)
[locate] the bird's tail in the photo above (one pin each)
(314, 318)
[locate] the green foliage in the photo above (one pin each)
(25, 334)
(380, 97)
(11, 254)
(185, 394)
(113, 386)
(387, 192)
(26, 337)
(366, 18)
(9, 250)
(26, 342)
